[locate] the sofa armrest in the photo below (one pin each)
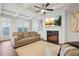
(14, 41)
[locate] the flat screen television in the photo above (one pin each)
(53, 21)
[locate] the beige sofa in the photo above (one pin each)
(22, 38)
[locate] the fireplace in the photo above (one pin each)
(53, 36)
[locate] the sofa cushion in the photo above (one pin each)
(28, 40)
(34, 33)
(24, 40)
(27, 34)
(20, 36)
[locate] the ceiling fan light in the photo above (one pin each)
(43, 10)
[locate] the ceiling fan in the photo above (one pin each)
(44, 8)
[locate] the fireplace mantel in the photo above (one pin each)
(61, 34)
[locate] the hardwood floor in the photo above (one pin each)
(6, 49)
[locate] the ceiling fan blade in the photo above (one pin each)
(49, 9)
(37, 7)
(42, 5)
(47, 5)
(38, 11)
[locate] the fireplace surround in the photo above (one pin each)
(53, 36)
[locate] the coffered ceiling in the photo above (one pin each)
(28, 9)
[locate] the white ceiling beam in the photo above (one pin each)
(15, 14)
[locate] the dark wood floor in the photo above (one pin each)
(6, 49)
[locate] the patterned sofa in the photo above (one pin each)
(22, 38)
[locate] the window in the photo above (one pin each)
(22, 29)
(6, 29)
(22, 26)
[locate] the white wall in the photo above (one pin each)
(71, 36)
(35, 25)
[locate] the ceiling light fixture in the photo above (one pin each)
(43, 10)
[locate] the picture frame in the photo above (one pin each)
(74, 21)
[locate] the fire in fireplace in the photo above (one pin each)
(53, 36)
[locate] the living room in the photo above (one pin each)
(51, 22)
